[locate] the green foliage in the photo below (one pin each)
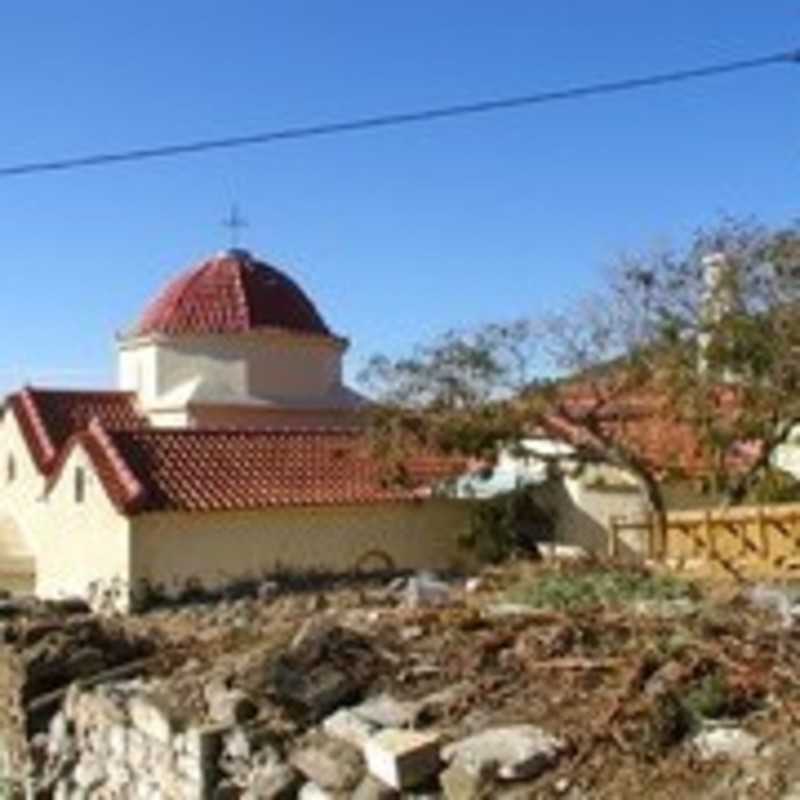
(508, 524)
(708, 699)
(599, 586)
(775, 486)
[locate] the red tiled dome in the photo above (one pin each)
(231, 293)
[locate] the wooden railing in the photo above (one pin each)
(743, 542)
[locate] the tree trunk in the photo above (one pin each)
(658, 511)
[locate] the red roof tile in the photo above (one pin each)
(233, 293)
(215, 470)
(49, 417)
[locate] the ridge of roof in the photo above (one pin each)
(48, 417)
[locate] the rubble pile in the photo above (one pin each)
(43, 653)
(425, 688)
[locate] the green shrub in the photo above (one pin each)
(508, 524)
(598, 586)
(775, 486)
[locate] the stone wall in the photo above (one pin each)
(40, 656)
(127, 740)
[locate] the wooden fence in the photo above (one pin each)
(742, 542)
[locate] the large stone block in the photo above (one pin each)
(329, 763)
(403, 759)
(514, 752)
(344, 724)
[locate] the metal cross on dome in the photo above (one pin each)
(235, 223)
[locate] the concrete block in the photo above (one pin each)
(403, 759)
(349, 727)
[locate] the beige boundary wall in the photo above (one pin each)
(168, 549)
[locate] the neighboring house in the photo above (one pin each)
(583, 498)
(229, 451)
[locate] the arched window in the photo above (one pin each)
(11, 468)
(80, 484)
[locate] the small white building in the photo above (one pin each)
(583, 499)
(230, 449)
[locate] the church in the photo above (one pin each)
(230, 450)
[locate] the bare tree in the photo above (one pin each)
(685, 361)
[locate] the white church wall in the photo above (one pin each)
(277, 368)
(85, 540)
(21, 509)
(137, 371)
(171, 548)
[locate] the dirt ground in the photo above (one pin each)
(626, 666)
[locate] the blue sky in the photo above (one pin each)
(397, 234)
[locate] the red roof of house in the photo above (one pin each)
(49, 417)
(647, 422)
(231, 293)
(221, 470)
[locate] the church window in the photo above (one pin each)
(11, 468)
(80, 484)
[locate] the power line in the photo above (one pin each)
(395, 119)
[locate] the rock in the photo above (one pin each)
(89, 773)
(60, 734)
(318, 673)
(149, 714)
(733, 743)
(434, 703)
(562, 785)
(330, 763)
(230, 706)
(348, 726)
(778, 600)
(402, 759)
(267, 591)
(664, 678)
(273, 782)
(472, 585)
(516, 752)
(310, 791)
(383, 711)
(371, 788)
(561, 552)
(243, 743)
(318, 692)
(411, 632)
(425, 590)
(462, 782)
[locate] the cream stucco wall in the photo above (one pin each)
(170, 548)
(81, 543)
(231, 368)
(21, 507)
(67, 544)
(584, 512)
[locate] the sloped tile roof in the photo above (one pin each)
(232, 293)
(220, 470)
(49, 417)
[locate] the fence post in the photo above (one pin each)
(710, 535)
(613, 541)
(763, 537)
